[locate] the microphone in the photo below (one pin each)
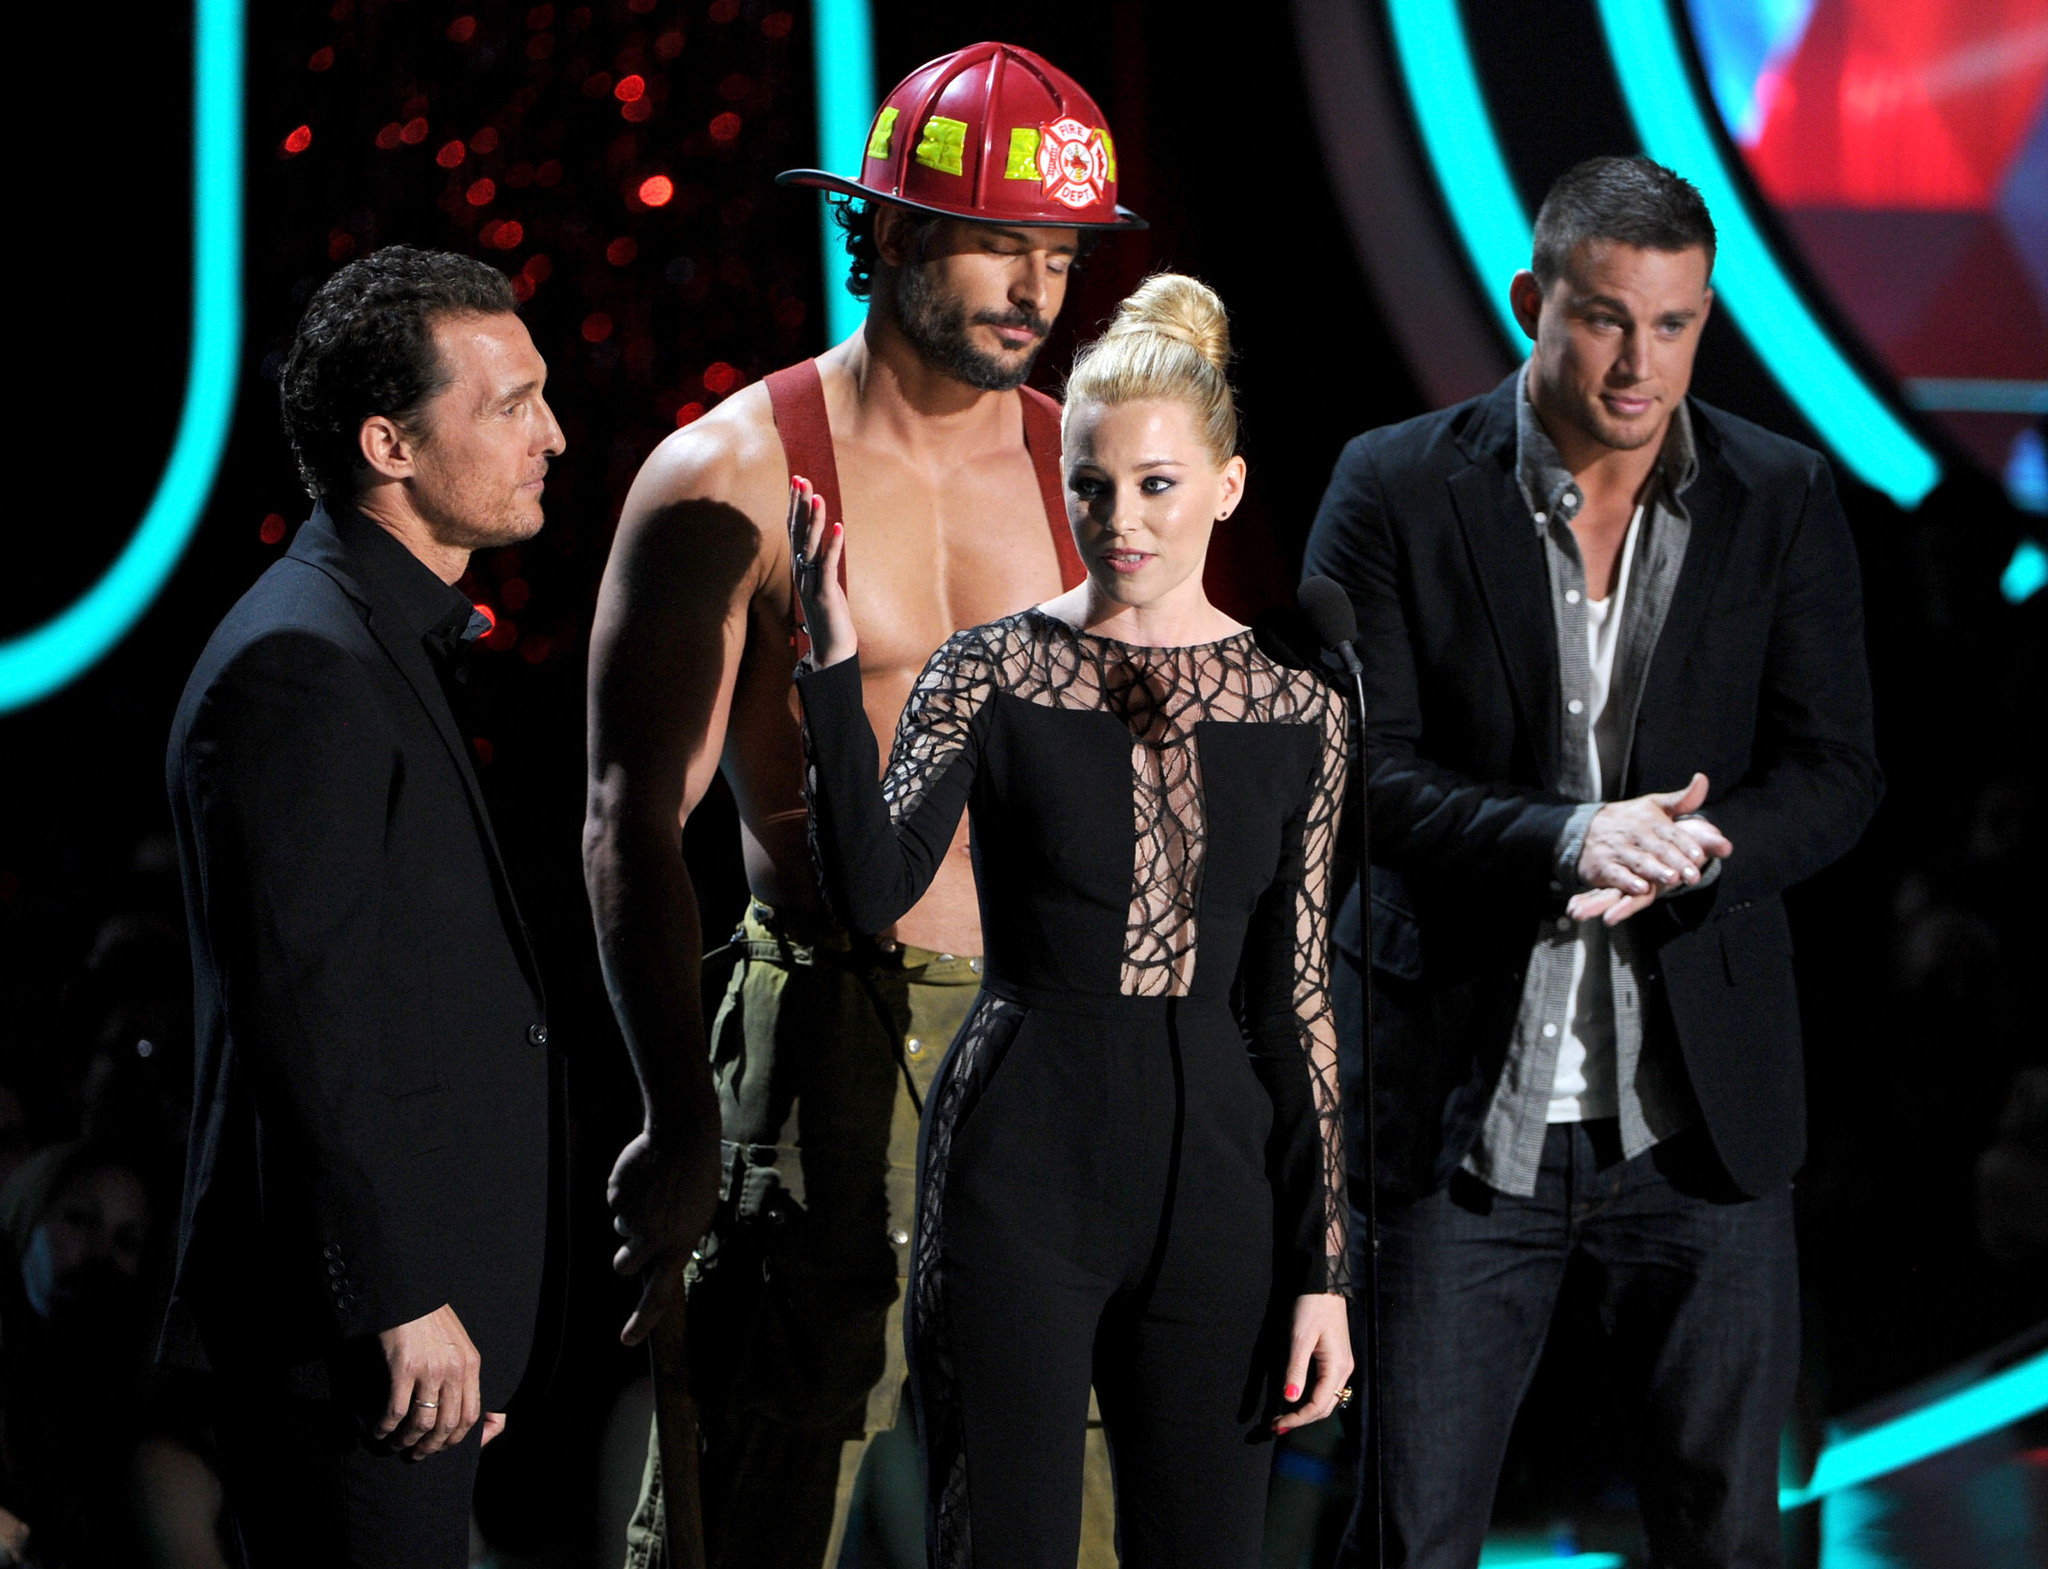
(1329, 613)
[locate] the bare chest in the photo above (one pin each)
(928, 555)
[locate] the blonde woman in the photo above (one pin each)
(1130, 1172)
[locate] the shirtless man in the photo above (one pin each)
(982, 172)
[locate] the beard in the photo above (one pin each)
(937, 325)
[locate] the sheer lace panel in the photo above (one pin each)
(1160, 694)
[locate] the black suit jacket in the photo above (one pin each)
(371, 1131)
(1758, 680)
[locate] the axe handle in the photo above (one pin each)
(675, 1416)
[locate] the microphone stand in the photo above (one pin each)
(1371, 1428)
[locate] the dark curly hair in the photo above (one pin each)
(366, 346)
(1631, 200)
(856, 220)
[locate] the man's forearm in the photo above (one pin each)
(650, 942)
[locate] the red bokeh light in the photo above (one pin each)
(323, 57)
(735, 86)
(538, 266)
(462, 29)
(776, 24)
(724, 10)
(597, 326)
(507, 235)
(341, 245)
(485, 752)
(549, 173)
(515, 592)
(597, 84)
(630, 89)
(272, 530)
(540, 46)
(451, 154)
(298, 141)
(481, 193)
(534, 649)
(669, 44)
(639, 7)
(414, 131)
(656, 190)
(389, 136)
(719, 377)
(638, 111)
(540, 16)
(487, 613)
(687, 413)
(485, 140)
(522, 288)
(620, 252)
(725, 128)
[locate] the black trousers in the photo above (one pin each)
(1697, 1291)
(309, 1490)
(1106, 1218)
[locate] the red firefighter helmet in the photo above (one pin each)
(994, 134)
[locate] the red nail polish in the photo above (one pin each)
(1293, 1391)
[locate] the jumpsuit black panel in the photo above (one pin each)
(1130, 1157)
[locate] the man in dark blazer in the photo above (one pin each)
(1618, 704)
(367, 1194)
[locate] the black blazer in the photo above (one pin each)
(1759, 680)
(371, 1131)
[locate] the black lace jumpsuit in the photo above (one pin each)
(1130, 1163)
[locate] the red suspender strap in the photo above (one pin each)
(1042, 441)
(796, 397)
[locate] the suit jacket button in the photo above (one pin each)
(537, 1034)
(331, 1251)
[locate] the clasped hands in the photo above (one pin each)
(1636, 850)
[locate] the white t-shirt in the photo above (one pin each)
(1584, 1086)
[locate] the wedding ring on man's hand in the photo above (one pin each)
(1344, 1398)
(428, 1405)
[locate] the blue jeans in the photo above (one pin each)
(1697, 1292)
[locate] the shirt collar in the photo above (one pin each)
(401, 582)
(1547, 485)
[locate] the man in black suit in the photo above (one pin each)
(366, 1197)
(1618, 704)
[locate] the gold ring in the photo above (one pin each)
(1344, 1397)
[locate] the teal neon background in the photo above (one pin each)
(843, 58)
(41, 661)
(1464, 153)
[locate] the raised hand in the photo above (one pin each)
(815, 550)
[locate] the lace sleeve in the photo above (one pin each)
(1285, 1007)
(878, 846)
(1313, 901)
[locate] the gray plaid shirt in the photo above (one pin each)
(1651, 1103)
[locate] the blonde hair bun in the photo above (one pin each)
(1177, 306)
(1169, 340)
